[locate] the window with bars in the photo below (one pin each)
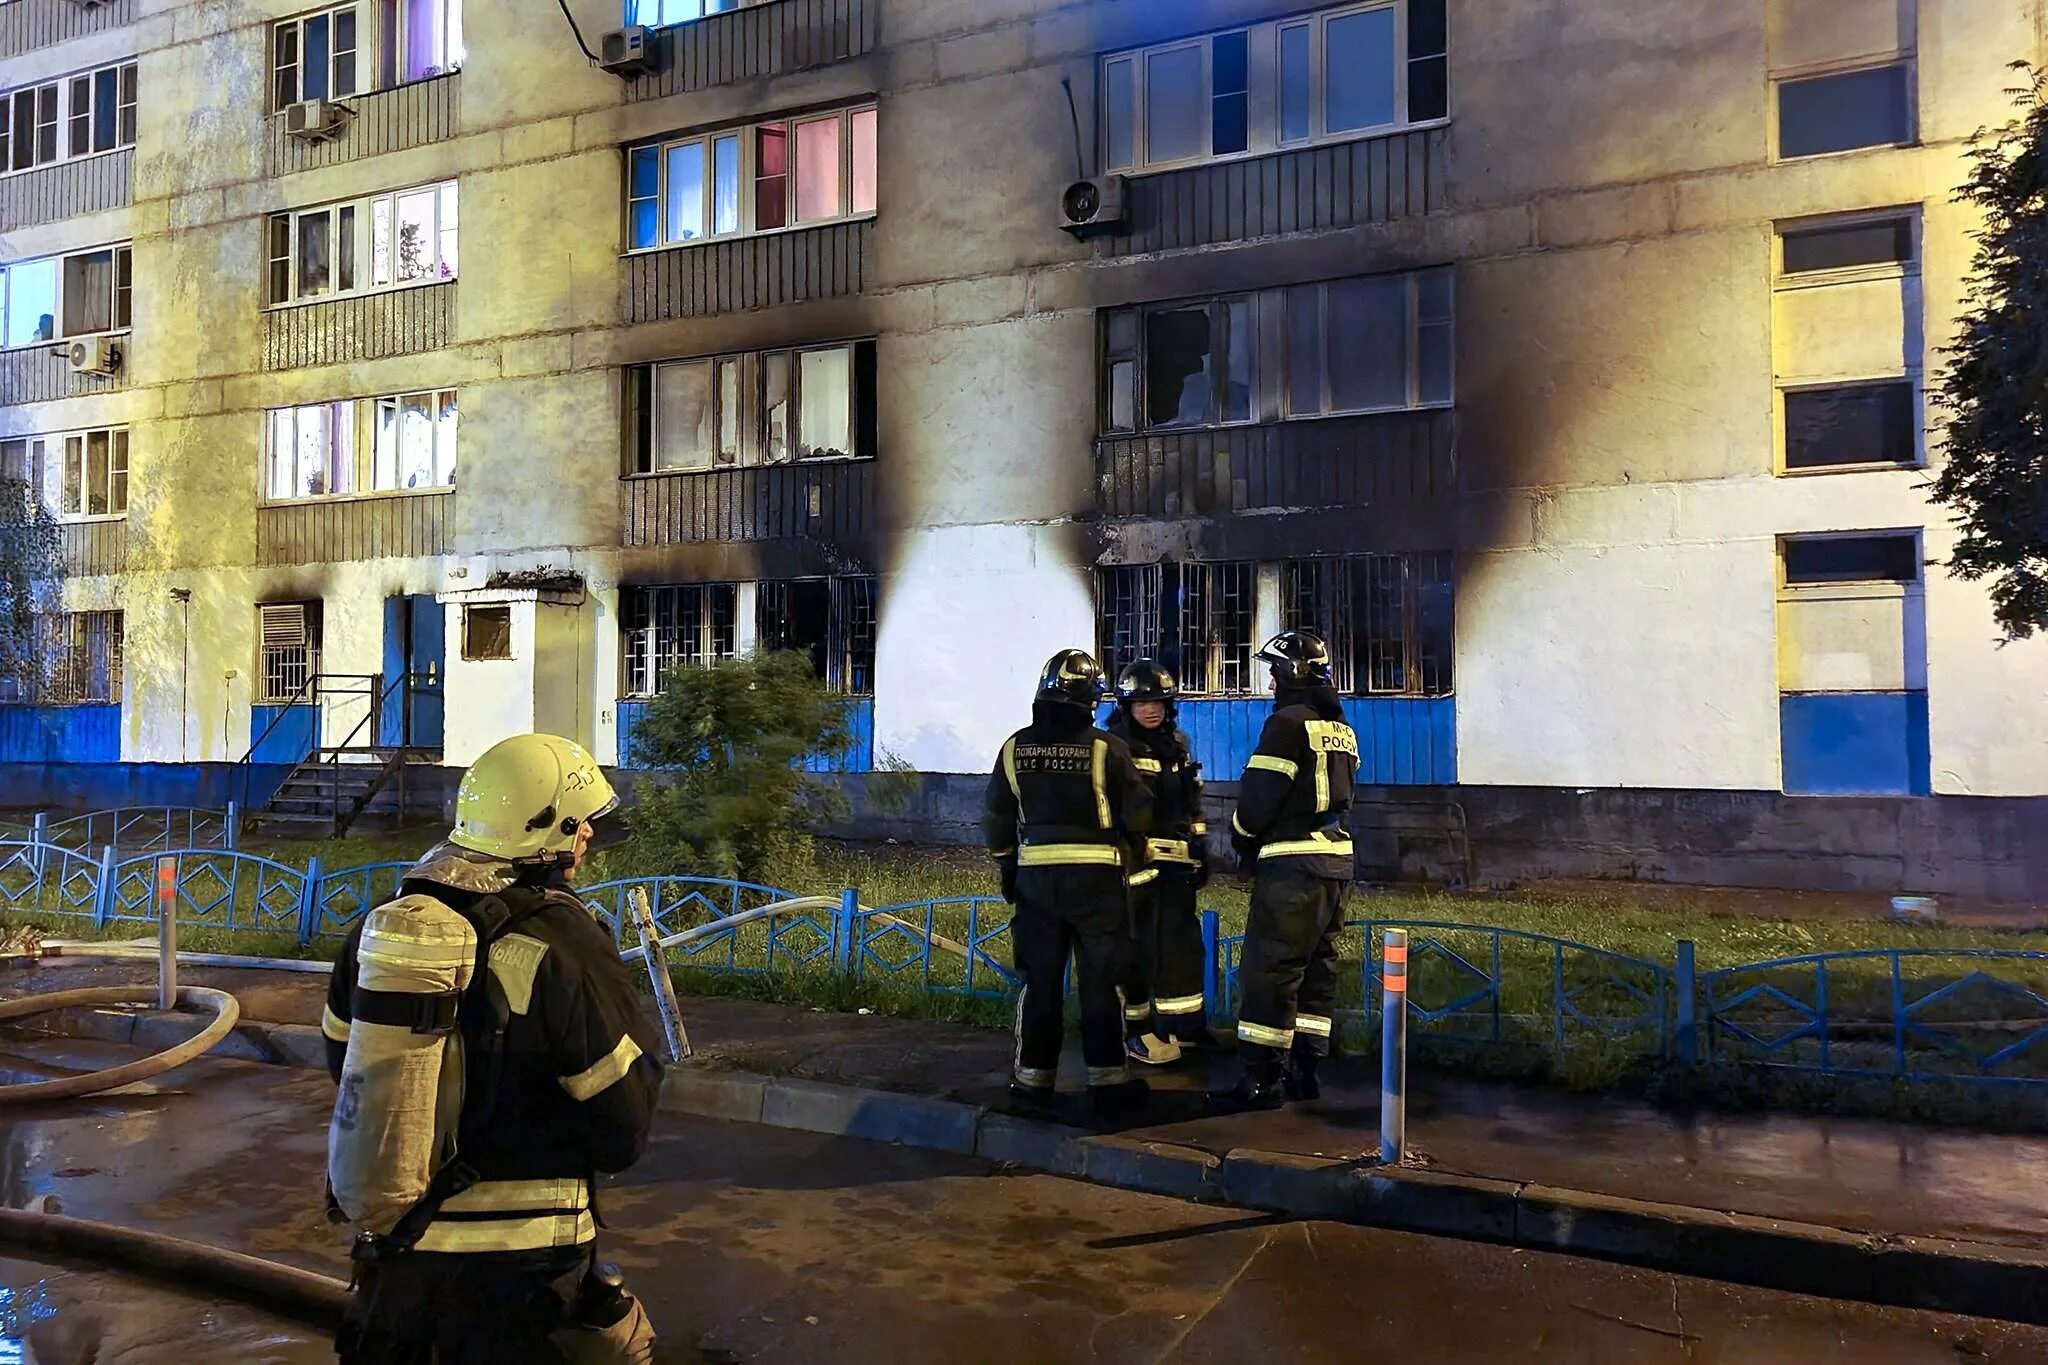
(288, 649)
(831, 621)
(686, 625)
(1198, 619)
(81, 115)
(78, 661)
(1388, 619)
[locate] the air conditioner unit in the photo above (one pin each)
(93, 355)
(1093, 205)
(317, 120)
(628, 52)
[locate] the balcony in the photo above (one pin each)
(1327, 462)
(741, 274)
(757, 41)
(830, 500)
(95, 547)
(410, 115)
(29, 24)
(41, 374)
(1310, 189)
(359, 327)
(337, 530)
(68, 189)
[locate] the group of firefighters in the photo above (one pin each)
(493, 1058)
(1101, 840)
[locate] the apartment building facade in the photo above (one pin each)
(405, 377)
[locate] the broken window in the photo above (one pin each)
(1197, 362)
(830, 621)
(690, 625)
(486, 632)
(1845, 110)
(1387, 618)
(1197, 619)
(762, 408)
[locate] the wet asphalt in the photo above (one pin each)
(767, 1245)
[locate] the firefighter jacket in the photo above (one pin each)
(1296, 790)
(561, 1067)
(1174, 780)
(1065, 794)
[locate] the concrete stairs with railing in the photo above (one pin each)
(327, 792)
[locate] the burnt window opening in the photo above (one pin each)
(1197, 619)
(1849, 246)
(1846, 110)
(830, 621)
(1387, 618)
(1374, 343)
(758, 408)
(688, 625)
(288, 650)
(77, 661)
(486, 632)
(1852, 424)
(1880, 557)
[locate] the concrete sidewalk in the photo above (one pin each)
(1846, 1207)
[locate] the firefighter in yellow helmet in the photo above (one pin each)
(492, 1060)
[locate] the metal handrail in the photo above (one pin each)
(379, 692)
(309, 693)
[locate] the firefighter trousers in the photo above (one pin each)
(1164, 996)
(1289, 971)
(1082, 912)
(484, 1308)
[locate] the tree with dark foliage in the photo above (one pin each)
(1995, 478)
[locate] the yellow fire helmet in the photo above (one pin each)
(524, 800)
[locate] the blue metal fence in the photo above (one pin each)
(1912, 1014)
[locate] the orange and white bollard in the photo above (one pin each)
(167, 932)
(1394, 1047)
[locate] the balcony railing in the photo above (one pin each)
(95, 547)
(359, 327)
(336, 530)
(41, 374)
(757, 41)
(68, 189)
(746, 273)
(29, 24)
(410, 115)
(830, 500)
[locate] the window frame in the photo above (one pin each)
(634, 14)
(844, 653)
(1797, 75)
(120, 301)
(357, 248)
(1788, 589)
(309, 647)
(1264, 89)
(62, 90)
(66, 644)
(1419, 572)
(361, 421)
(748, 210)
(469, 615)
(641, 634)
(1158, 595)
(361, 56)
(47, 459)
(382, 41)
(644, 434)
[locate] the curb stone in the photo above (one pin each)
(1978, 1279)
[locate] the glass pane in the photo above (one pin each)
(454, 49)
(1837, 113)
(1429, 89)
(384, 445)
(345, 52)
(1119, 110)
(771, 177)
(74, 473)
(31, 302)
(1305, 350)
(1849, 245)
(46, 123)
(1368, 322)
(1123, 397)
(725, 185)
(380, 241)
(285, 61)
(128, 106)
(79, 141)
(314, 257)
(864, 168)
(1230, 110)
(312, 446)
(415, 235)
(1177, 347)
(106, 108)
(1123, 332)
(1358, 71)
(1238, 391)
(422, 39)
(117, 500)
(1854, 424)
(97, 474)
(89, 293)
(824, 385)
(685, 192)
(315, 68)
(1853, 559)
(416, 414)
(1434, 362)
(817, 170)
(281, 453)
(729, 411)
(683, 416)
(1433, 294)
(643, 180)
(447, 210)
(1175, 105)
(775, 406)
(1294, 84)
(444, 442)
(345, 250)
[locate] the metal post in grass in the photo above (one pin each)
(309, 901)
(1685, 981)
(1212, 966)
(1393, 1047)
(104, 890)
(233, 822)
(664, 985)
(167, 932)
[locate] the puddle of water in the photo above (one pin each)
(61, 1317)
